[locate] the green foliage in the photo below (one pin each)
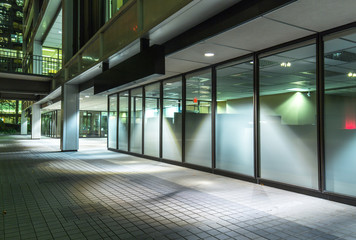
(6, 130)
(7, 106)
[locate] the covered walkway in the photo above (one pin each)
(99, 194)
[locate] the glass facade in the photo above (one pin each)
(234, 118)
(51, 124)
(258, 120)
(91, 124)
(340, 113)
(172, 119)
(198, 119)
(152, 120)
(112, 124)
(123, 121)
(136, 121)
(288, 117)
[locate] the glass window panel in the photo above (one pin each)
(136, 121)
(112, 121)
(198, 119)
(152, 123)
(104, 124)
(340, 114)
(172, 119)
(288, 117)
(234, 119)
(123, 121)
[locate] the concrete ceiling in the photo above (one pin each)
(54, 37)
(87, 102)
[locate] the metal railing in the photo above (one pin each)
(16, 62)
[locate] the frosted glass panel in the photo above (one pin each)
(123, 120)
(152, 132)
(340, 114)
(172, 120)
(234, 119)
(198, 119)
(136, 121)
(288, 117)
(112, 121)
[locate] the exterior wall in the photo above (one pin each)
(289, 153)
(89, 124)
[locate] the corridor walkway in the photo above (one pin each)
(98, 194)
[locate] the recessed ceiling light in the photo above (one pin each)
(87, 96)
(209, 54)
(286, 64)
(351, 74)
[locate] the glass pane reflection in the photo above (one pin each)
(198, 119)
(234, 119)
(172, 119)
(340, 114)
(288, 117)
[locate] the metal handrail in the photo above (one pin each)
(16, 62)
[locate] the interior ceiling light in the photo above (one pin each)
(209, 54)
(87, 96)
(298, 89)
(351, 74)
(286, 64)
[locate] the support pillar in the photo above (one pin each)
(36, 121)
(23, 123)
(37, 57)
(70, 118)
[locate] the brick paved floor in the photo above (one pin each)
(98, 194)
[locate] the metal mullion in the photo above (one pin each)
(213, 119)
(117, 119)
(184, 95)
(320, 112)
(107, 141)
(161, 120)
(129, 122)
(143, 102)
(256, 118)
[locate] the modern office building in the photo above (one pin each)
(260, 90)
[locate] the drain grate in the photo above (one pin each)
(80, 212)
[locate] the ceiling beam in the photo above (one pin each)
(16, 96)
(8, 85)
(234, 16)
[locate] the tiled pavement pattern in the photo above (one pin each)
(98, 194)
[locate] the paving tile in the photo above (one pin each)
(98, 194)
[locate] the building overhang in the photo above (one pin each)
(23, 86)
(146, 64)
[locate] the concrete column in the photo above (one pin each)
(70, 118)
(36, 121)
(37, 57)
(23, 123)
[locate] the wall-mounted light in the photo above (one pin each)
(286, 64)
(351, 74)
(209, 54)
